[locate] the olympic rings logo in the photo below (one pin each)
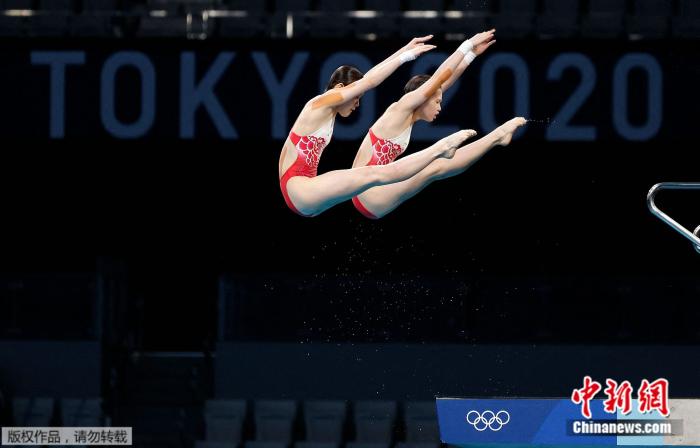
(488, 419)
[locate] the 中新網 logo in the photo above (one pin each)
(650, 396)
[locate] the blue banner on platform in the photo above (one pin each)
(560, 422)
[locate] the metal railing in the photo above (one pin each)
(693, 236)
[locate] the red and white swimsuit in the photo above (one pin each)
(309, 149)
(384, 151)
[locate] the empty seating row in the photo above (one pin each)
(300, 18)
(324, 421)
(42, 411)
(256, 444)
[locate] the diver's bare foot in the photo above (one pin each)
(504, 133)
(448, 145)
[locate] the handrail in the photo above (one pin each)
(693, 236)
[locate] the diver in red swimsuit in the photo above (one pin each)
(309, 149)
(383, 151)
(421, 101)
(309, 194)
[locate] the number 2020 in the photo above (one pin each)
(560, 128)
